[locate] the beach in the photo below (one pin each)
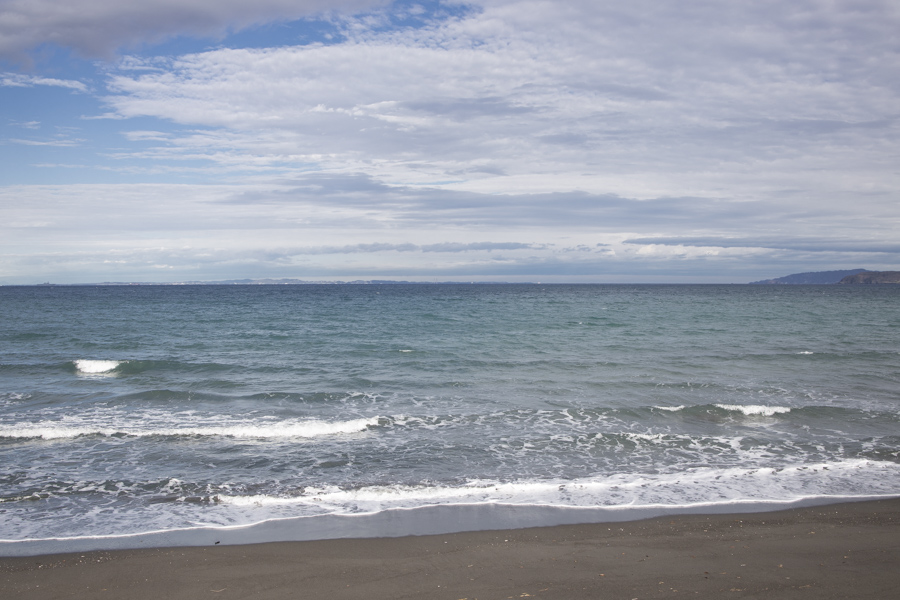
(846, 550)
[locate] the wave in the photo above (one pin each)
(681, 488)
(605, 423)
(608, 419)
(755, 409)
(136, 366)
(150, 513)
(51, 430)
(96, 367)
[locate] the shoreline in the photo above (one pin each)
(434, 519)
(826, 551)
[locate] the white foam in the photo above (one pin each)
(805, 352)
(681, 488)
(655, 437)
(424, 520)
(50, 430)
(755, 409)
(95, 367)
(670, 408)
(392, 510)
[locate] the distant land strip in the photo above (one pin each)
(851, 276)
(872, 277)
(274, 282)
(847, 276)
(815, 277)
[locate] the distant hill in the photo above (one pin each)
(872, 277)
(277, 282)
(815, 277)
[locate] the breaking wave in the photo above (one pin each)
(96, 367)
(285, 429)
(755, 409)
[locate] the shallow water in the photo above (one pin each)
(157, 408)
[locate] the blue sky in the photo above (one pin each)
(649, 141)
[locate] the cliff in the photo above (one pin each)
(869, 277)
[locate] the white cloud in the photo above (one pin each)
(61, 142)
(98, 27)
(340, 227)
(641, 100)
(591, 140)
(20, 80)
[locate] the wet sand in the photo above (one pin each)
(839, 551)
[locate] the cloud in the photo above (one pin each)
(26, 124)
(59, 143)
(506, 138)
(446, 247)
(20, 80)
(185, 262)
(641, 101)
(353, 226)
(96, 28)
(831, 244)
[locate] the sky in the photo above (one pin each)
(490, 140)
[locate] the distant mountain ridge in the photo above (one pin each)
(813, 277)
(872, 277)
(284, 281)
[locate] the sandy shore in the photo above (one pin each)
(839, 551)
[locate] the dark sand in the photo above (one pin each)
(838, 551)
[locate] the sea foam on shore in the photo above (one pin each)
(423, 520)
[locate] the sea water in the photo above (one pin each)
(133, 409)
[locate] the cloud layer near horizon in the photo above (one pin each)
(353, 227)
(698, 139)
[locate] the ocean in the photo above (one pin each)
(157, 415)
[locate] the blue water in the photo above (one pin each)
(127, 409)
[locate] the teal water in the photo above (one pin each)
(142, 408)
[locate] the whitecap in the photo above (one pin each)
(51, 430)
(755, 409)
(95, 367)
(703, 485)
(286, 429)
(329, 512)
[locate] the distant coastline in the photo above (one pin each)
(846, 276)
(872, 277)
(284, 281)
(814, 277)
